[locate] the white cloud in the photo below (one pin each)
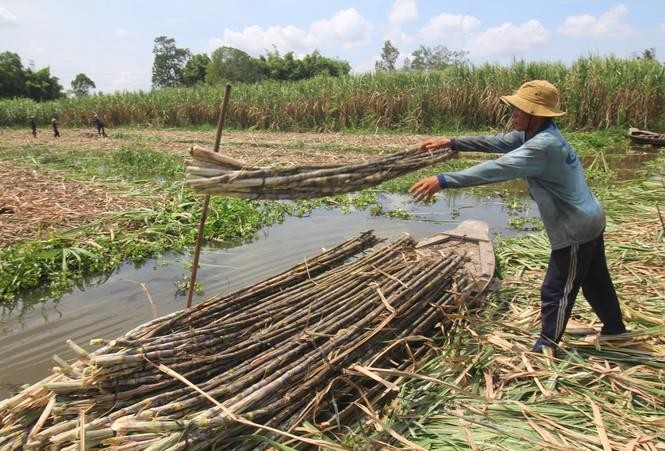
(446, 25)
(121, 32)
(662, 26)
(403, 11)
(508, 40)
(348, 28)
(607, 25)
(402, 40)
(7, 18)
(257, 40)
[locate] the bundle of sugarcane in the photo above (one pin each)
(298, 346)
(212, 173)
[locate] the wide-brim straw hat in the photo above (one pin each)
(537, 98)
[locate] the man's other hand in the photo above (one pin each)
(425, 189)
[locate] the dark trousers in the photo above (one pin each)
(569, 269)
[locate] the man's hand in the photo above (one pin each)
(435, 143)
(425, 189)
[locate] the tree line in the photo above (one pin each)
(174, 67)
(178, 67)
(19, 81)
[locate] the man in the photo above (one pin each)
(574, 219)
(33, 126)
(54, 124)
(100, 126)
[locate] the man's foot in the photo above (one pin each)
(611, 331)
(542, 347)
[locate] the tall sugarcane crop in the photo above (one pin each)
(259, 361)
(211, 173)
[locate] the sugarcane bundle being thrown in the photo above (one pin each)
(212, 173)
(307, 345)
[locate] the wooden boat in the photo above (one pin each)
(646, 137)
(471, 237)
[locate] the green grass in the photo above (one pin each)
(57, 260)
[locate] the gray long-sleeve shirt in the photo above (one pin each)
(554, 177)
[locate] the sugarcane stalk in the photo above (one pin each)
(306, 182)
(309, 325)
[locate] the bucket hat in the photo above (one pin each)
(537, 98)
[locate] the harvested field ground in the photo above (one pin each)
(253, 147)
(45, 200)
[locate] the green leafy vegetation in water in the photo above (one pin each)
(59, 259)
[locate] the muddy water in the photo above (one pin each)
(106, 307)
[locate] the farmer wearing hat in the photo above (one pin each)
(573, 218)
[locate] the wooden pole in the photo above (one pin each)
(206, 200)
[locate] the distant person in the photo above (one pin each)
(100, 126)
(54, 124)
(33, 125)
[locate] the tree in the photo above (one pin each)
(81, 85)
(315, 64)
(277, 67)
(195, 69)
(288, 67)
(15, 81)
(228, 64)
(169, 63)
(40, 85)
(648, 54)
(389, 56)
(439, 57)
(12, 76)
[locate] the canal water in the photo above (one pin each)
(109, 305)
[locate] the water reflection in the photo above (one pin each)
(626, 163)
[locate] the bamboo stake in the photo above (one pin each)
(206, 200)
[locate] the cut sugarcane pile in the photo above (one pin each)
(300, 346)
(211, 173)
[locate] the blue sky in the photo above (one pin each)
(112, 41)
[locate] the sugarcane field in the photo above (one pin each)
(289, 265)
